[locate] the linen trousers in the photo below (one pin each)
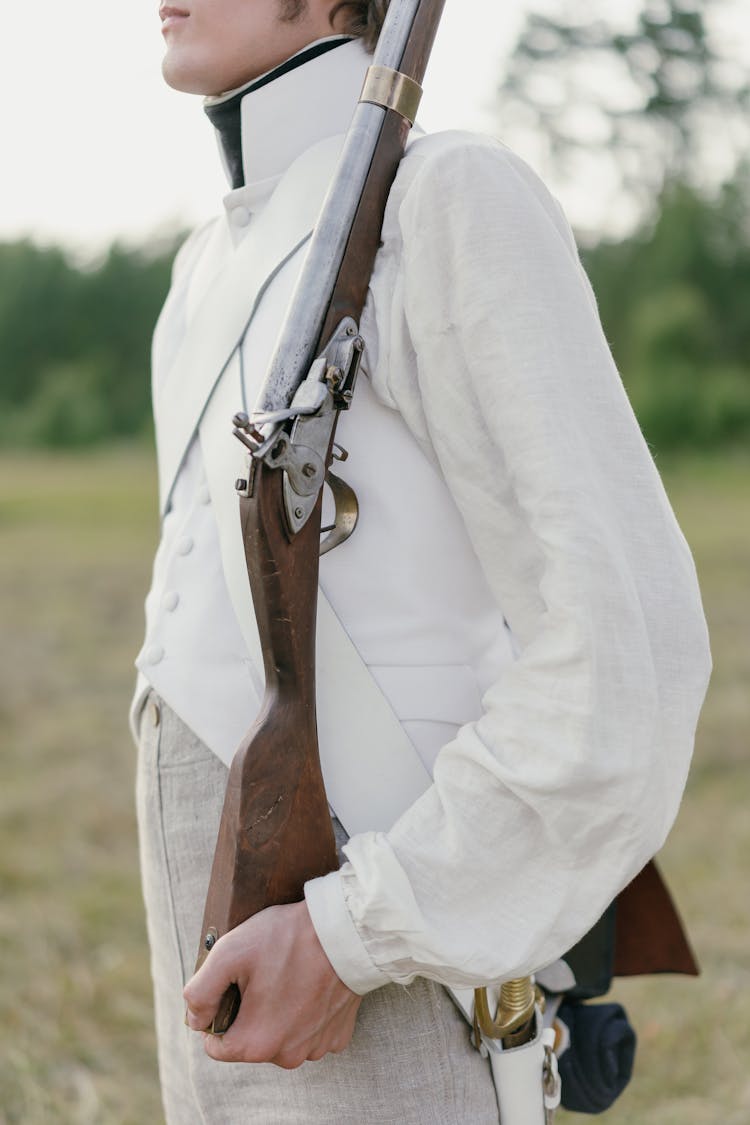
(410, 1061)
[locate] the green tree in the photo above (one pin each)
(650, 94)
(673, 299)
(75, 342)
(39, 297)
(656, 99)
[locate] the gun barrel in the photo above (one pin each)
(404, 45)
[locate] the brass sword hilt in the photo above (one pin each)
(513, 1022)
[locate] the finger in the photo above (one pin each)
(239, 1045)
(217, 1049)
(205, 990)
(290, 1060)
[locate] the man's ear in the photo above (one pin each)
(340, 13)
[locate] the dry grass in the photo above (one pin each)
(75, 1001)
(75, 1008)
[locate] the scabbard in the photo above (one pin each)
(649, 934)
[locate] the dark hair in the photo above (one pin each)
(361, 18)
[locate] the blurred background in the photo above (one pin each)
(635, 112)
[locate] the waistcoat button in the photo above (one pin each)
(154, 654)
(204, 496)
(170, 601)
(185, 545)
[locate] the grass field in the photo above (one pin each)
(76, 538)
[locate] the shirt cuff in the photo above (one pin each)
(338, 935)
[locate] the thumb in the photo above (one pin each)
(204, 991)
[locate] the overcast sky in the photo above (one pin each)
(96, 146)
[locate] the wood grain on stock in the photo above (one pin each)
(350, 292)
(275, 831)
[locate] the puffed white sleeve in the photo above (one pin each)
(550, 803)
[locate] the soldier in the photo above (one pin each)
(518, 589)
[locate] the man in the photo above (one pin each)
(517, 588)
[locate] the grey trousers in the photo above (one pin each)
(410, 1061)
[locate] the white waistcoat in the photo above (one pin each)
(407, 586)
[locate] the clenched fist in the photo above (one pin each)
(294, 1007)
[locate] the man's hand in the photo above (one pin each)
(294, 1007)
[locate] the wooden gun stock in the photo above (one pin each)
(275, 830)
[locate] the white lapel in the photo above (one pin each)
(222, 318)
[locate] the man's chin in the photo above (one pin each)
(185, 78)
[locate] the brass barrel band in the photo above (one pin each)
(393, 90)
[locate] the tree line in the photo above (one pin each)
(649, 96)
(674, 300)
(74, 343)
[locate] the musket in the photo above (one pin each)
(275, 831)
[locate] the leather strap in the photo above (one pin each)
(232, 300)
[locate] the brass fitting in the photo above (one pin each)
(513, 1021)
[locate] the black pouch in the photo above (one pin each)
(598, 1064)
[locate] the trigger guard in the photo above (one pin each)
(347, 513)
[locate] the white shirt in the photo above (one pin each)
(548, 805)
(483, 335)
